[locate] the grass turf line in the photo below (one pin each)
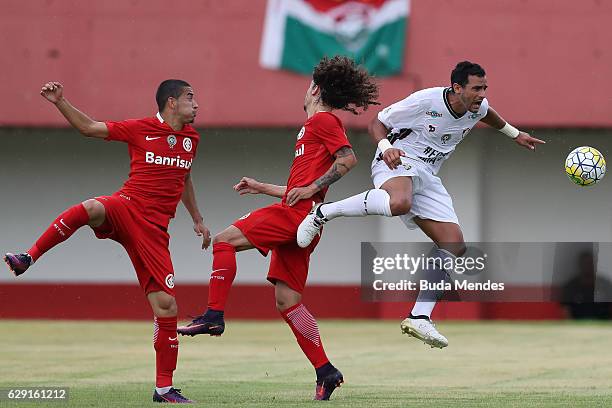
(258, 364)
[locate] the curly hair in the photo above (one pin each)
(344, 84)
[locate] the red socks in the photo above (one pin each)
(306, 331)
(165, 341)
(60, 230)
(222, 276)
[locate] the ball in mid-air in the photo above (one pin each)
(585, 166)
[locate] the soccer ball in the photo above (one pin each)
(585, 166)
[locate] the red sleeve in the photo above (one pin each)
(122, 131)
(331, 132)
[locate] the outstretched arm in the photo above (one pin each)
(345, 161)
(248, 185)
(189, 201)
(524, 139)
(54, 93)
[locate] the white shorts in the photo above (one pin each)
(430, 200)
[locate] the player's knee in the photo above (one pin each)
(283, 303)
(95, 210)
(220, 237)
(400, 205)
(166, 306)
(228, 236)
(456, 246)
(285, 297)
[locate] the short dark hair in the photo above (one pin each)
(169, 88)
(463, 70)
(344, 84)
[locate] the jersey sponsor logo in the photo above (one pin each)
(445, 138)
(149, 138)
(300, 151)
(434, 114)
(171, 141)
(170, 280)
(152, 158)
(433, 155)
(187, 145)
(301, 133)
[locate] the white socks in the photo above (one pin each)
(371, 202)
(426, 300)
(162, 390)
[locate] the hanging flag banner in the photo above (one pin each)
(298, 33)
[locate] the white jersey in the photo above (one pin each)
(425, 127)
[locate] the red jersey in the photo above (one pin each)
(320, 138)
(160, 158)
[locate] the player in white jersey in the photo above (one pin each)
(415, 136)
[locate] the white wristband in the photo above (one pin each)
(384, 145)
(510, 131)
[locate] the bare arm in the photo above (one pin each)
(248, 185)
(53, 92)
(493, 119)
(378, 131)
(189, 201)
(345, 161)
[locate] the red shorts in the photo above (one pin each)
(146, 243)
(274, 228)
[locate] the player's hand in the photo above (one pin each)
(52, 91)
(247, 185)
(393, 157)
(201, 231)
(300, 193)
(524, 139)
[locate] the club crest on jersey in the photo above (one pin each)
(301, 133)
(187, 145)
(475, 115)
(433, 114)
(445, 138)
(171, 141)
(170, 280)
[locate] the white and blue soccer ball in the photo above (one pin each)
(585, 166)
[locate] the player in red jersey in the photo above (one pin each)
(162, 149)
(323, 155)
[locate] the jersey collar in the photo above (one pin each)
(448, 105)
(159, 117)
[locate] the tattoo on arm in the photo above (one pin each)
(343, 152)
(337, 170)
(331, 176)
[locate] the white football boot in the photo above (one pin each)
(310, 226)
(424, 330)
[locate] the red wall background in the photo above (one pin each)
(548, 61)
(91, 301)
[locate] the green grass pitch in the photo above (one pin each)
(258, 364)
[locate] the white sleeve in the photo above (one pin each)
(402, 114)
(484, 108)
